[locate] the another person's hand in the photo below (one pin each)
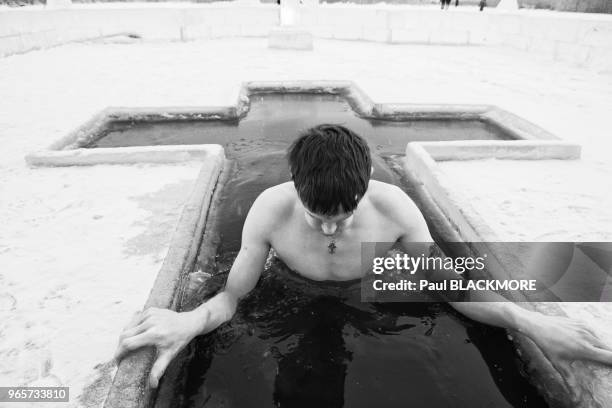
(567, 339)
(169, 332)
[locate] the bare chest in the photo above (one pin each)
(320, 257)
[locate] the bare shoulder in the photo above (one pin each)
(394, 204)
(280, 196)
(391, 200)
(272, 207)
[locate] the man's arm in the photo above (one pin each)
(170, 331)
(247, 266)
(557, 337)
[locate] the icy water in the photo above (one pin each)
(298, 343)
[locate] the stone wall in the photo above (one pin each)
(582, 39)
(583, 6)
(31, 28)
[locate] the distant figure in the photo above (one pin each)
(445, 3)
(482, 4)
(289, 12)
(456, 3)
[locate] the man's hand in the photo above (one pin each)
(169, 332)
(562, 338)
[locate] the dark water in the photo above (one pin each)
(298, 343)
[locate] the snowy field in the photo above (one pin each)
(80, 247)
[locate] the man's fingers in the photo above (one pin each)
(133, 331)
(128, 344)
(139, 317)
(600, 355)
(134, 321)
(159, 367)
(598, 343)
(565, 370)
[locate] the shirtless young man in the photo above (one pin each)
(316, 225)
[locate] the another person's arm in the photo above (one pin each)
(557, 337)
(170, 331)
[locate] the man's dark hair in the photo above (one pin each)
(330, 166)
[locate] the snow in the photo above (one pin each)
(80, 246)
(539, 200)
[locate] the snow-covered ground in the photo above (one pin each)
(80, 247)
(543, 200)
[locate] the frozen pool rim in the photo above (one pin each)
(459, 221)
(130, 383)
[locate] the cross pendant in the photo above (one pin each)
(332, 247)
